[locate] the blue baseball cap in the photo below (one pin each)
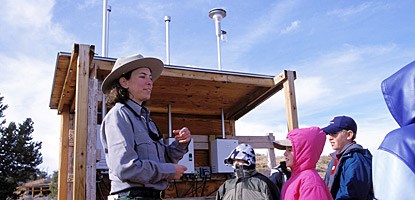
(340, 123)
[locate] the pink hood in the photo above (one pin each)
(307, 144)
(305, 183)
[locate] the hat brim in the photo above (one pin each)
(282, 144)
(155, 65)
(330, 129)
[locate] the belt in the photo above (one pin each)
(131, 193)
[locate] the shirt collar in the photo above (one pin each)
(143, 111)
(339, 154)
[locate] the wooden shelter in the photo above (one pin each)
(32, 189)
(182, 96)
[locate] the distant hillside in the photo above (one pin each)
(262, 164)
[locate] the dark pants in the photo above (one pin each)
(139, 193)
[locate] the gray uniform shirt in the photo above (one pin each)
(133, 158)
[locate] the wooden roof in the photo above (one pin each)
(197, 97)
(189, 90)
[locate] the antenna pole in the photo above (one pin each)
(218, 14)
(105, 21)
(105, 12)
(167, 21)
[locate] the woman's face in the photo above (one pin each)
(139, 85)
(289, 157)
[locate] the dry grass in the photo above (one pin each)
(262, 164)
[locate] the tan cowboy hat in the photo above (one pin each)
(129, 63)
(282, 144)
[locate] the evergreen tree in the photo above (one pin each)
(53, 186)
(2, 108)
(19, 155)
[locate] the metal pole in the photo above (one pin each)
(223, 124)
(170, 123)
(105, 30)
(218, 14)
(167, 21)
(219, 54)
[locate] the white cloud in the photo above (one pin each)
(348, 64)
(340, 77)
(148, 15)
(88, 4)
(31, 41)
(260, 28)
(26, 91)
(27, 13)
(353, 10)
(326, 83)
(28, 29)
(356, 10)
(292, 27)
(311, 90)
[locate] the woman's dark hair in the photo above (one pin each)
(117, 92)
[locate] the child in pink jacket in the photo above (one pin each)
(303, 148)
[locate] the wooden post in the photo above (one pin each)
(290, 101)
(81, 122)
(63, 164)
(92, 139)
(271, 152)
(70, 159)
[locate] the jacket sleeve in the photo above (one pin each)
(314, 192)
(328, 171)
(355, 181)
(122, 158)
(175, 151)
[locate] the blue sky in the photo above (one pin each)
(341, 51)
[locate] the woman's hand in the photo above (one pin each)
(183, 135)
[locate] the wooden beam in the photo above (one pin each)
(63, 155)
(72, 107)
(104, 65)
(278, 84)
(81, 121)
(68, 91)
(290, 101)
(62, 63)
(162, 112)
(245, 105)
(200, 142)
(225, 78)
(200, 74)
(262, 142)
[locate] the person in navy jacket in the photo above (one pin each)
(349, 173)
(394, 160)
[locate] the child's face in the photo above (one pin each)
(238, 162)
(340, 139)
(289, 158)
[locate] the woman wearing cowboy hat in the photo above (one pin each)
(139, 162)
